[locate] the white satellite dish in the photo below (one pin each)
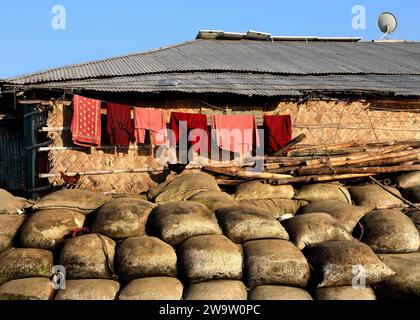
(387, 23)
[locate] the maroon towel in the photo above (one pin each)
(200, 139)
(120, 125)
(277, 132)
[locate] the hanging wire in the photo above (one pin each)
(213, 106)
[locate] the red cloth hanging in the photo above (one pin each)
(277, 132)
(152, 120)
(180, 122)
(235, 133)
(86, 122)
(120, 126)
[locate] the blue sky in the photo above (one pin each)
(98, 29)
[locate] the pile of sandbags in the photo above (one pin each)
(192, 241)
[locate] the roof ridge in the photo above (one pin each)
(99, 60)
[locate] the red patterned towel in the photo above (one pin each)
(86, 122)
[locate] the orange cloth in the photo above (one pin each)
(235, 133)
(152, 120)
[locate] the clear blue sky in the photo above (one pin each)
(98, 29)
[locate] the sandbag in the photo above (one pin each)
(89, 256)
(10, 204)
(279, 208)
(312, 228)
(183, 187)
(210, 257)
(333, 263)
(9, 226)
(373, 196)
(89, 289)
(409, 180)
(25, 263)
(414, 215)
(405, 284)
(155, 288)
(346, 214)
(141, 196)
(214, 199)
(47, 228)
(255, 190)
(272, 292)
(323, 191)
(241, 224)
(412, 194)
(27, 289)
(179, 220)
(145, 257)
(217, 290)
(82, 201)
(123, 218)
(344, 293)
(390, 231)
(275, 262)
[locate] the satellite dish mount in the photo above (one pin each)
(387, 23)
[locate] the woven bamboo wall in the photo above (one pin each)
(322, 121)
(341, 121)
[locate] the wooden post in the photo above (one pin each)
(287, 146)
(394, 194)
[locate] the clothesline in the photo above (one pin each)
(234, 133)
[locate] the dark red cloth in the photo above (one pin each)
(86, 122)
(120, 126)
(199, 139)
(277, 132)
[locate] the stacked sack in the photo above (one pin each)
(186, 239)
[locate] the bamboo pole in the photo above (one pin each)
(229, 182)
(371, 158)
(320, 178)
(245, 174)
(404, 168)
(291, 143)
(394, 194)
(354, 156)
(54, 129)
(125, 170)
(327, 146)
(325, 152)
(390, 161)
(45, 102)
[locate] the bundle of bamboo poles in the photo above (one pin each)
(298, 163)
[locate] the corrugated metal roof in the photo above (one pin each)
(288, 57)
(249, 84)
